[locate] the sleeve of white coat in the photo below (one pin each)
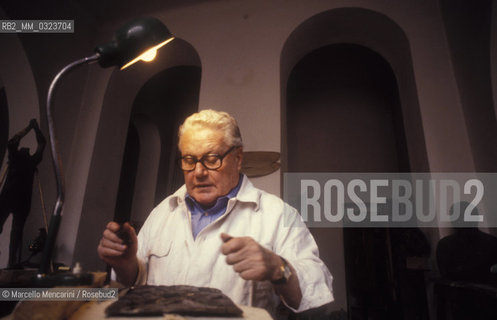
(142, 253)
(296, 244)
(141, 278)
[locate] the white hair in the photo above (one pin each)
(216, 120)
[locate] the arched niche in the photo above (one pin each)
(18, 83)
(356, 94)
(149, 167)
(118, 110)
(343, 113)
(372, 30)
(4, 123)
(19, 103)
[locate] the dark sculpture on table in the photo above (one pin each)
(15, 196)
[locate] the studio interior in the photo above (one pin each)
(328, 87)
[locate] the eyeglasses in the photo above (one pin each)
(210, 161)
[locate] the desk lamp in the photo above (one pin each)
(137, 40)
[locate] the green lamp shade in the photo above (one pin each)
(137, 40)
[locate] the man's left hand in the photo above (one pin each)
(251, 260)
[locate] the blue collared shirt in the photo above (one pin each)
(201, 218)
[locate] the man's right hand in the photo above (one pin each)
(120, 256)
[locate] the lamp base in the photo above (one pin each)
(64, 279)
(18, 278)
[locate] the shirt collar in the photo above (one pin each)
(221, 202)
(246, 193)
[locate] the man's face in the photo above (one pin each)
(204, 185)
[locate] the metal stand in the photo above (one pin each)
(44, 277)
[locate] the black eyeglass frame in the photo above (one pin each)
(202, 159)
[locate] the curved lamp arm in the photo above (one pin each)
(56, 215)
(137, 40)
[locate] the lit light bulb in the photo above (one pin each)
(149, 55)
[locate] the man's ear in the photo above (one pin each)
(239, 157)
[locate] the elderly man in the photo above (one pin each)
(219, 231)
